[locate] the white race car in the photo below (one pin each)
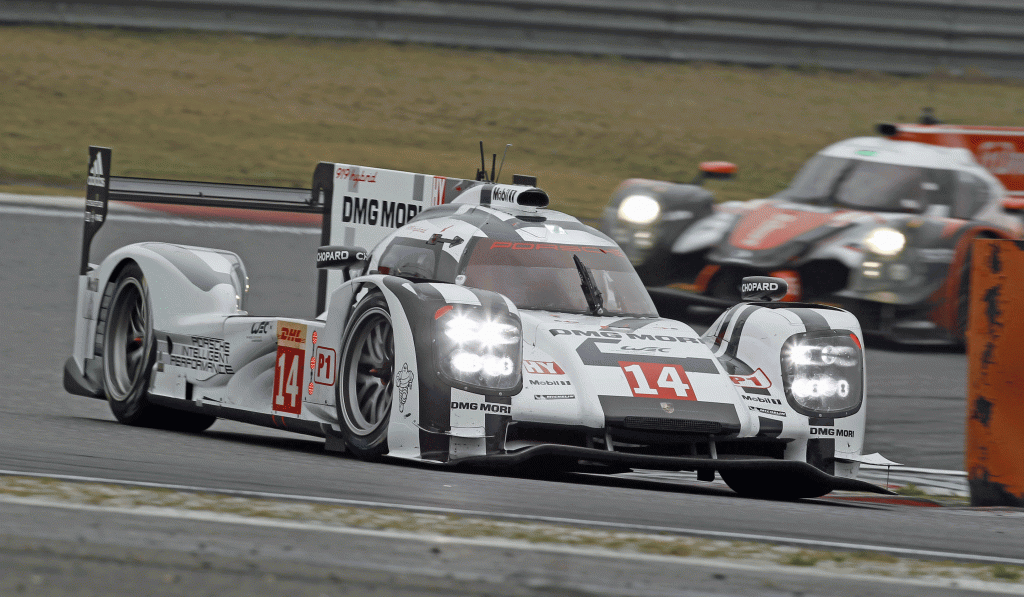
(482, 328)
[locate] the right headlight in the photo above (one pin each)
(639, 209)
(478, 350)
(823, 373)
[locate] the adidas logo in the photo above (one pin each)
(96, 178)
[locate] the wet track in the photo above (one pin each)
(915, 416)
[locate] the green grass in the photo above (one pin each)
(265, 110)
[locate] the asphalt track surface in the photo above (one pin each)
(916, 414)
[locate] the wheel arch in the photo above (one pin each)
(182, 282)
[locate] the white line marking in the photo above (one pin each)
(767, 568)
(910, 469)
(904, 551)
(59, 213)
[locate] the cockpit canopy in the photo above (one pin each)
(533, 275)
(879, 186)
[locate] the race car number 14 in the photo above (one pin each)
(654, 380)
(289, 368)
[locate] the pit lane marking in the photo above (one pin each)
(815, 543)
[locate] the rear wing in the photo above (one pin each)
(1000, 150)
(359, 206)
(102, 188)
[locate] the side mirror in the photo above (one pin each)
(762, 289)
(342, 258)
(1013, 204)
(714, 170)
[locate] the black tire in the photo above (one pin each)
(770, 485)
(366, 378)
(128, 353)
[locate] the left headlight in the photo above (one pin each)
(885, 241)
(639, 209)
(478, 350)
(823, 373)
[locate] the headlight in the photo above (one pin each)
(885, 241)
(823, 373)
(478, 350)
(639, 209)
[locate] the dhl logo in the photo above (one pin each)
(291, 335)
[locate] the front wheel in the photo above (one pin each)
(367, 378)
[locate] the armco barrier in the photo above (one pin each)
(900, 36)
(995, 404)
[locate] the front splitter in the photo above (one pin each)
(676, 463)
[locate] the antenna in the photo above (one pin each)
(494, 158)
(505, 153)
(481, 174)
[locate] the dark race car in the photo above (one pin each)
(879, 226)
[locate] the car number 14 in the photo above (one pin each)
(654, 380)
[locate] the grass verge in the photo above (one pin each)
(265, 110)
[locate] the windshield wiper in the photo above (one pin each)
(594, 299)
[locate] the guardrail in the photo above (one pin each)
(900, 36)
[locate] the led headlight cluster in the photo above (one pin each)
(823, 373)
(478, 349)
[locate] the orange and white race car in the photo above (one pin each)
(881, 226)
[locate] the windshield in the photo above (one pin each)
(544, 276)
(877, 186)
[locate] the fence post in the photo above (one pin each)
(995, 362)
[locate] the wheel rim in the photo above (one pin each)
(369, 372)
(127, 340)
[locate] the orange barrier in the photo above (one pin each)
(995, 363)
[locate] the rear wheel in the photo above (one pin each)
(128, 354)
(366, 377)
(771, 485)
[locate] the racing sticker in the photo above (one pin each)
(325, 366)
(542, 367)
(755, 383)
(655, 380)
(211, 355)
(403, 381)
(289, 367)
